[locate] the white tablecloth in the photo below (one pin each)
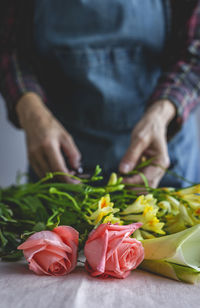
(20, 288)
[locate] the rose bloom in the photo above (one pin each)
(110, 251)
(52, 252)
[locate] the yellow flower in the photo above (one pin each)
(105, 207)
(174, 204)
(193, 200)
(136, 207)
(112, 219)
(139, 205)
(105, 202)
(181, 221)
(148, 219)
(114, 183)
(113, 179)
(151, 222)
(189, 190)
(151, 200)
(197, 212)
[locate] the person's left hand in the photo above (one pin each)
(149, 139)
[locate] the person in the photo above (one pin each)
(104, 82)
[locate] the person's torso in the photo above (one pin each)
(100, 63)
(102, 57)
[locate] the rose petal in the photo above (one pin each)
(133, 226)
(58, 251)
(31, 243)
(35, 267)
(121, 275)
(29, 253)
(97, 232)
(43, 238)
(70, 237)
(114, 242)
(95, 251)
(91, 271)
(112, 264)
(59, 268)
(46, 258)
(68, 234)
(110, 251)
(135, 247)
(126, 228)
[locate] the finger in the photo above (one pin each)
(56, 161)
(153, 175)
(71, 151)
(38, 162)
(135, 180)
(36, 167)
(133, 154)
(42, 162)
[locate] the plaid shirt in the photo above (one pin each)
(179, 83)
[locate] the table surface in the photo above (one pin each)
(20, 288)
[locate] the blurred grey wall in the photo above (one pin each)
(12, 149)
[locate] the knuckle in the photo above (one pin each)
(68, 137)
(141, 138)
(166, 162)
(47, 143)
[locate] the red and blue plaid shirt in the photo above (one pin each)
(179, 83)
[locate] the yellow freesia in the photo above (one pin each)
(139, 204)
(174, 203)
(188, 191)
(114, 183)
(181, 221)
(191, 195)
(193, 200)
(149, 220)
(112, 219)
(113, 179)
(105, 207)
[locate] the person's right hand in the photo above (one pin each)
(46, 138)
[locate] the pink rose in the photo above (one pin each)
(110, 251)
(52, 252)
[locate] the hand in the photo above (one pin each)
(149, 139)
(45, 138)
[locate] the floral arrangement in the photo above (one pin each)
(120, 229)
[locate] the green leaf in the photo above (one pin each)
(13, 256)
(144, 180)
(3, 239)
(40, 226)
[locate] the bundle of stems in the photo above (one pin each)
(33, 207)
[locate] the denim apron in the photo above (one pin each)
(100, 61)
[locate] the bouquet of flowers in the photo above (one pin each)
(119, 228)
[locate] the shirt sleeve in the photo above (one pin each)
(180, 81)
(16, 72)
